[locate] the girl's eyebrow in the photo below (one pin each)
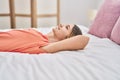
(69, 26)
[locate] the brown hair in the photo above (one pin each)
(75, 31)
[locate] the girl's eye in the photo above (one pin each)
(67, 27)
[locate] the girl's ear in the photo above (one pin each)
(66, 37)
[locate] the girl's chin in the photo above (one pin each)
(54, 29)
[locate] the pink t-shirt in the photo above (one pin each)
(24, 41)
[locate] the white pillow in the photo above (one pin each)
(83, 28)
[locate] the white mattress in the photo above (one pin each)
(100, 60)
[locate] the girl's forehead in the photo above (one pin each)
(71, 25)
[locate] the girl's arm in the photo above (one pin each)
(73, 43)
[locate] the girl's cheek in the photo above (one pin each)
(59, 34)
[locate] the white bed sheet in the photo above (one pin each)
(100, 60)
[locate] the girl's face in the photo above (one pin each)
(62, 31)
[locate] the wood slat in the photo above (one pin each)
(12, 14)
(4, 15)
(33, 13)
(58, 11)
(47, 15)
(29, 15)
(22, 15)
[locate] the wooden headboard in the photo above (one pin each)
(33, 15)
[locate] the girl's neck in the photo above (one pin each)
(51, 37)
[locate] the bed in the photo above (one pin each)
(100, 60)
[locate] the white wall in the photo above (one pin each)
(71, 11)
(77, 11)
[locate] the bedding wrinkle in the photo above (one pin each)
(71, 65)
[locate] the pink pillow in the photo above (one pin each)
(115, 35)
(105, 19)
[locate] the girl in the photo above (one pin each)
(34, 42)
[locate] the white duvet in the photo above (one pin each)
(100, 60)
